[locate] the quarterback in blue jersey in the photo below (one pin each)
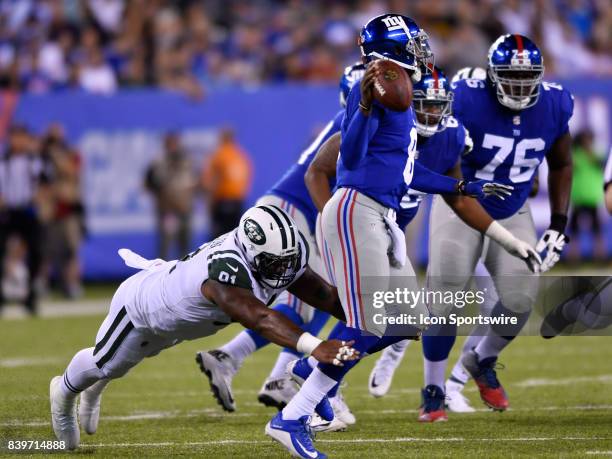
(442, 140)
(290, 194)
(515, 120)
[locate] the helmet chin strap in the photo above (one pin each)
(426, 130)
(514, 104)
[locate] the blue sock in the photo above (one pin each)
(286, 310)
(438, 340)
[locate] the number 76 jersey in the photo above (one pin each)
(509, 145)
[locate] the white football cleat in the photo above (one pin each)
(318, 424)
(341, 410)
(277, 392)
(89, 406)
(455, 400)
(220, 370)
(381, 375)
(64, 415)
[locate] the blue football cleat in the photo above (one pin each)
(293, 435)
(299, 370)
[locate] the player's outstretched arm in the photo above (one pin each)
(430, 182)
(313, 290)
(321, 170)
(474, 215)
(560, 167)
(241, 305)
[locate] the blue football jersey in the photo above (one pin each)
(386, 170)
(509, 145)
(439, 153)
(291, 186)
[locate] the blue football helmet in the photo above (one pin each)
(352, 74)
(399, 39)
(516, 68)
(432, 98)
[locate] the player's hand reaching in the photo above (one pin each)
(335, 352)
(367, 86)
(522, 249)
(484, 189)
(553, 242)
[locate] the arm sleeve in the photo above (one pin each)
(358, 132)
(430, 182)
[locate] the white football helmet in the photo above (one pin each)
(271, 241)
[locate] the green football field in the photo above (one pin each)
(560, 392)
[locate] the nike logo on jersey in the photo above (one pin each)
(233, 268)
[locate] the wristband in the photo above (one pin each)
(307, 343)
(558, 222)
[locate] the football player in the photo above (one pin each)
(375, 168)
(442, 140)
(515, 120)
(382, 373)
(290, 194)
(231, 278)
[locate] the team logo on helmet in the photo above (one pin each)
(254, 232)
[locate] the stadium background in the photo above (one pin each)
(268, 69)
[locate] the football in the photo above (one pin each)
(393, 87)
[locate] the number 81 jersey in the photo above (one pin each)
(509, 145)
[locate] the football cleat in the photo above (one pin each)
(483, 371)
(277, 392)
(318, 424)
(455, 400)
(299, 370)
(64, 415)
(381, 376)
(341, 410)
(295, 436)
(219, 368)
(89, 406)
(432, 407)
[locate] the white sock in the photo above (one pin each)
(310, 394)
(239, 348)
(81, 373)
(435, 372)
(280, 367)
(400, 347)
(458, 375)
(490, 346)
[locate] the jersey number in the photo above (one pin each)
(224, 277)
(522, 168)
(409, 169)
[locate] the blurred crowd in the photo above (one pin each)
(185, 45)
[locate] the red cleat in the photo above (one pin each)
(432, 408)
(491, 391)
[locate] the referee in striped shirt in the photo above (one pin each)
(21, 173)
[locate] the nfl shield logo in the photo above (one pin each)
(516, 120)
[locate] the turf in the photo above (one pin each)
(560, 390)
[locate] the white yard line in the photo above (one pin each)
(538, 382)
(58, 309)
(18, 362)
(213, 412)
(349, 441)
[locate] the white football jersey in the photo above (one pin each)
(168, 300)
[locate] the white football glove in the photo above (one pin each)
(553, 242)
(515, 246)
